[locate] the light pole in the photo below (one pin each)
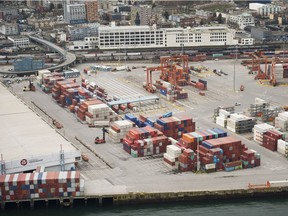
(234, 70)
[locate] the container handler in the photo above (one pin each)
(98, 140)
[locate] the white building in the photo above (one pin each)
(9, 29)
(121, 37)
(89, 43)
(265, 9)
(242, 20)
(113, 37)
(19, 41)
(75, 13)
(59, 36)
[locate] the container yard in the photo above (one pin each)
(151, 145)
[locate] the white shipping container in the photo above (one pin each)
(173, 151)
(173, 141)
(282, 146)
(210, 166)
(263, 127)
(282, 183)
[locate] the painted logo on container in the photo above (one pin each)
(23, 162)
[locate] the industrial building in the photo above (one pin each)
(121, 37)
(28, 142)
(28, 64)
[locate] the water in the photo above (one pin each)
(241, 207)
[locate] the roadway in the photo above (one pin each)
(70, 58)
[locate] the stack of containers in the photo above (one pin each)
(100, 113)
(231, 147)
(149, 146)
(259, 130)
(281, 121)
(187, 161)
(279, 72)
(84, 94)
(191, 140)
(171, 157)
(270, 139)
(41, 185)
(39, 78)
(250, 159)
(222, 118)
(57, 90)
(119, 129)
(72, 94)
(136, 134)
(175, 127)
(132, 118)
(49, 81)
(282, 147)
(239, 123)
(81, 111)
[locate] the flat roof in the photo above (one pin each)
(25, 135)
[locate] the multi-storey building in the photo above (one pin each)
(9, 29)
(92, 10)
(265, 9)
(119, 37)
(80, 32)
(145, 13)
(242, 20)
(75, 13)
(19, 41)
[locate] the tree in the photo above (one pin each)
(214, 16)
(219, 18)
(137, 20)
(166, 15)
(286, 29)
(59, 6)
(51, 6)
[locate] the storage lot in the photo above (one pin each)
(149, 174)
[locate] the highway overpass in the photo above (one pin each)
(70, 58)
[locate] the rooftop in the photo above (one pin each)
(24, 135)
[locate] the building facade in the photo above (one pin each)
(89, 43)
(265, 9)
(75, 13)
(119, 37)
(9, 29)
(92, 11)
(80, 32)
(28, 64)
(145, 14)
(19, 41)
(242, 20)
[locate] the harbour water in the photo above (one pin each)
(246, 207)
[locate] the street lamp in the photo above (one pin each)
(235, 59)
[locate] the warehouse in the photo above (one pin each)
(27, 141)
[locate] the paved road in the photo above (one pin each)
(70, 58)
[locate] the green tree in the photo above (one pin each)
(166, 15)
(219, 18)
(51, 6)
(59, 6)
